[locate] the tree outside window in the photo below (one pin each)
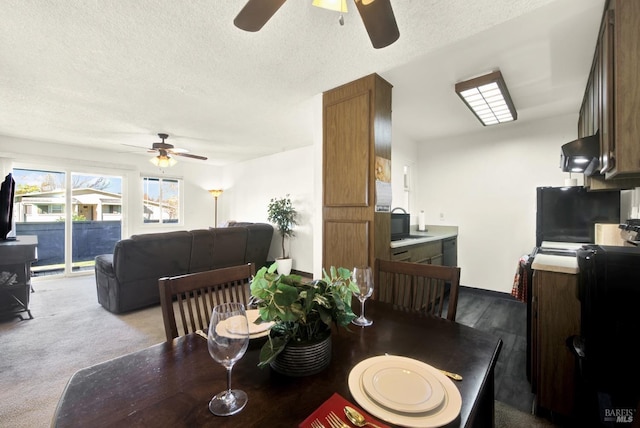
(161, 200)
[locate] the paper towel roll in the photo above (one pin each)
(421, 225)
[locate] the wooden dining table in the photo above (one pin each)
(170, 384)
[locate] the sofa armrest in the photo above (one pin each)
(107, 285)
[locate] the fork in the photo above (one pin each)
(335, 421)
(316, 424)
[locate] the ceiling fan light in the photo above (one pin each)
(163, 161)
(335, 5)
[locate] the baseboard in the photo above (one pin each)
(303, 274)
(491, 293)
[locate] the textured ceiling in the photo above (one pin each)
(112, 74)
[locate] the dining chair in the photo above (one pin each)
(417, 287)
(195, 295)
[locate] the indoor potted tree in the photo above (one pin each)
(283, 214)
(299, 343)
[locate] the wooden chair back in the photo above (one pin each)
(195, 295)
(417, 287)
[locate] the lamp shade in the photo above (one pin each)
(163, 161)
(335, 5)
(215, 192)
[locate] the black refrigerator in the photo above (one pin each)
(569, 214)
(608, 359)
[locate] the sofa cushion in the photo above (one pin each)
(152, 255)
(229, 246)
(259, 236)
(202, 250)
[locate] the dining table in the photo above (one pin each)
(170, 384)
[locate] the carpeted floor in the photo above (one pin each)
(70, 331)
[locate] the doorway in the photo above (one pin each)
(75, 216)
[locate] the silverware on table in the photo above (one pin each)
(454, 376)
(357, 418)
(335, 422)
(316, 424)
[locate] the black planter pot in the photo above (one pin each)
(303, 359)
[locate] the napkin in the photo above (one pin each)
(336, 403)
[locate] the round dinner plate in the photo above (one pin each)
(257, 330)
(403, 386)
(444, 413)
(226, 328)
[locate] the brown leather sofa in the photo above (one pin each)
(128, 279)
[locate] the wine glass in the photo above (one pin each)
(362, 276)
(228, 339)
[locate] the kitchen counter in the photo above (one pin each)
(433, 233)
(554, 262)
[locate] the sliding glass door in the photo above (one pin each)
(75, 216)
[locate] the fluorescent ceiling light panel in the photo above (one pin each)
(488, 98)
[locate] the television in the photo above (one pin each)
(569, 214)
(7, 191)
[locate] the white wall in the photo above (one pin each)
(485, 184)
(249, 186)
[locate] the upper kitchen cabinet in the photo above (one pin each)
(611, 104)
(356, 149)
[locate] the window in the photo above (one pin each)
(161, 200)
(66, 211)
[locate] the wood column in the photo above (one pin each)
(356, 135)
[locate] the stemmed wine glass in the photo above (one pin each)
(362, 276)
(228, 339)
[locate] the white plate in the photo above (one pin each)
(402, 386)
(257, 330)
(446, 412)
(226, 328)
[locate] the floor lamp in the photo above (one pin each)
(215, 193)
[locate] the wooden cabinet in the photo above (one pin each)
(555, 317)
(429, 252)
(356, 135)
(611, 104)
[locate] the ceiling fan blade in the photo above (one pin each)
(379, 21)
(256, 13)
(188, 155)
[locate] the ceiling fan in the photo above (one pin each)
(377, 16)
(165, 152)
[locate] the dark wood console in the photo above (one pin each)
(16, 257)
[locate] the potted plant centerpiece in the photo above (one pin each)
(283, 214)
(299, 342)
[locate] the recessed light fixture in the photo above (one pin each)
(488, 98)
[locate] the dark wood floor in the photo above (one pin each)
(505, 317)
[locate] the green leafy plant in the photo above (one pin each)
(302, 311)
(281, 212)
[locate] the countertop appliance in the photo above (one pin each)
(609, 294)
(400, 224)
(630, 231)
